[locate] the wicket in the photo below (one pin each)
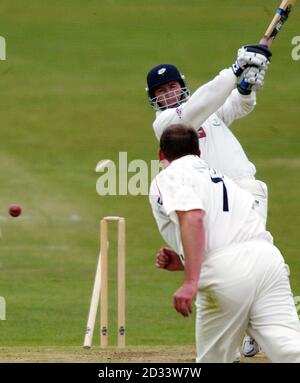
(100, 290)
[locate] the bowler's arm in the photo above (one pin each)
(193, 241)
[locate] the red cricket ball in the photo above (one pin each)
(15, 210)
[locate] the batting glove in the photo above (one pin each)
(251, 55)
(252, 76)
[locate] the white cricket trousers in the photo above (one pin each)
(245, 287)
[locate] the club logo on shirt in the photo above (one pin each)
(179, 112)
(159, 201)
(216, 122)
(201, 132)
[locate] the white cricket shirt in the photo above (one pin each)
(188, 184)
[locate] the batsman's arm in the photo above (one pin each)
(208, 98)
(236, 106)
(205, 101)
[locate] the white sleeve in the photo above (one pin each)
(205, 101)
(236, 106)
(208, 98)
(165, 226)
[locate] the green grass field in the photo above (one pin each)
(72, 93)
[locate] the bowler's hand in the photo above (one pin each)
(168, 259)
(184, 297)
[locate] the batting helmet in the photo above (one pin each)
(160, 75)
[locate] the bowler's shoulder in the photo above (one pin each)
(189, 161)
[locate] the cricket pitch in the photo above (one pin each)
(170, 354)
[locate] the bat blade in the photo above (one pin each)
(279, 19)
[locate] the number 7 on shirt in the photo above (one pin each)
(216, 180)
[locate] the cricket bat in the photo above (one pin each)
(279, 19)
(275, 26)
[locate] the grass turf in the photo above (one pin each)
(72, 94)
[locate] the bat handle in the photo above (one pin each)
(267, 41)
(244, 87)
